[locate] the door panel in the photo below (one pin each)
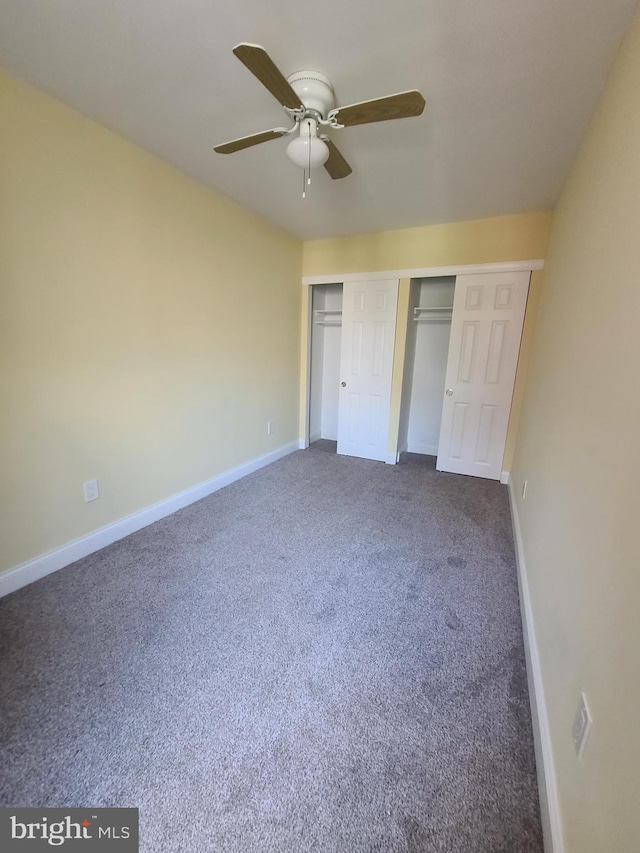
(488, 313)
(366, 364)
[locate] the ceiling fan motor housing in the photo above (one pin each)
(314, 90)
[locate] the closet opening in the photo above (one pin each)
(326, 338)
(444, 389)
(426, 355)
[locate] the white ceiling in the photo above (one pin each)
(509, 84)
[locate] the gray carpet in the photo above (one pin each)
(325, 656)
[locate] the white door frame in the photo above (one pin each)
(307, 300)
(425, 272)
(418, 272)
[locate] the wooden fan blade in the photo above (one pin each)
(259, 63)
(402, 105)
(248, 141)
(336, 165)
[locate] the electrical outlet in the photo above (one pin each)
(581, 726)
(91, 491)
(524, 489)
(269, 427)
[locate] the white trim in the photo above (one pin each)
(426, 272)
(424, 449)
(45, 564)
(390, 458)
(547, 784)
(504, 478)
(307, 402)
(315, 437)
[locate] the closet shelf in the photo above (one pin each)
(328, 316)
(440, 312)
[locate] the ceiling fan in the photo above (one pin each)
(309, 101)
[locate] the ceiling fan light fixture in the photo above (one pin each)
(307, 150)
(309, 100)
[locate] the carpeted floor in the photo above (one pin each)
(325, 656)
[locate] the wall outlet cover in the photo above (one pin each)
(91, 491)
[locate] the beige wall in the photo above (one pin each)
(578, 448)
(149, 327)
(521, 237)
(481, 241)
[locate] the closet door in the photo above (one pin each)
(366, 364)
(488, 313)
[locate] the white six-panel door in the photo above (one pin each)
(486, 327)
(366, 364)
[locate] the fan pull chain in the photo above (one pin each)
(306, 174)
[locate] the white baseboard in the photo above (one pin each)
(45, 564)
(420, 447)
(504, 478)
(316, 436)
(547, 784)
